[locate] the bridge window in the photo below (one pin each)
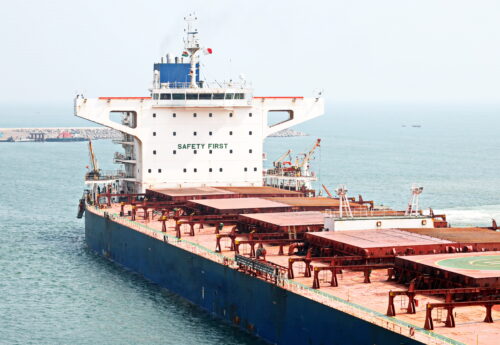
(165, 96)
(229, 95)
(218, 96)
(155, 96)
(205, 96)
(178, 96)
(239, 96)
(192, 96)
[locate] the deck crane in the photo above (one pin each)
(277, 163)
(94, 172)
(303, 166)
(327, 191)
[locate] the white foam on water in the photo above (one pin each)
(472, 216)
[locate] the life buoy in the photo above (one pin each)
(379, 224)
(424, 222)
(412, 331)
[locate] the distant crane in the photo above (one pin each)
(277, 163)
(94, 172)
(304, 165)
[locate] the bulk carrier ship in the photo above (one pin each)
(194, 211)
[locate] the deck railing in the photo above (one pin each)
(356, 310)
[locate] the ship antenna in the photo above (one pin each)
(412, 209)
(192, 45)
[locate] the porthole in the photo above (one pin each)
(159, 170)
(194, 133)
(185, 170)
(220, 169)
(154, 152)
(174, 133)
(195, 170)
(154, 114)
(230, 114)
(174, 115)
(149, 170)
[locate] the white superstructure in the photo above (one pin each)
(189, 133)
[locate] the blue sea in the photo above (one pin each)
(55, 291)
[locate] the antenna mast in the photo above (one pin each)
(344, 202)
(192, 45)
(412, 209)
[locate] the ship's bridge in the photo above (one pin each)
(178, 95)
(193, 133)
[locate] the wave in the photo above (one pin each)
(472, 216)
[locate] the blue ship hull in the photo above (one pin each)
(261, 308)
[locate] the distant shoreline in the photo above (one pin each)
(71, 134)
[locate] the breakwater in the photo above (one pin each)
(82, 133)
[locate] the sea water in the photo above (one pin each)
(53, 290)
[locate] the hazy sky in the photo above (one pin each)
(445, 51)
